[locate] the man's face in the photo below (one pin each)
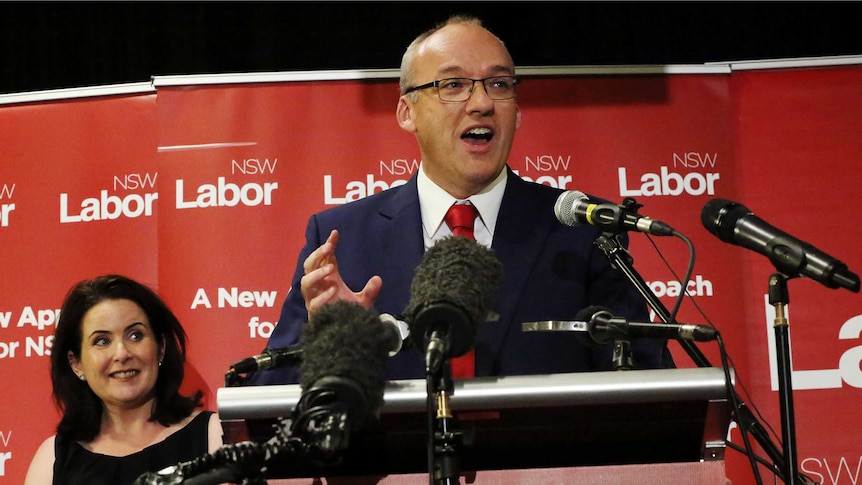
(464, 145)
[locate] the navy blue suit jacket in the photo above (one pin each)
(550, 272)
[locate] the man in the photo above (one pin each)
(458, 100)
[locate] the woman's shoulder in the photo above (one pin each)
(41, 469)
(198, 419)
(202, 422)
(48, 443)
(215, 433)
(202, 414)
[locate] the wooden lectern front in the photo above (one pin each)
(663, 426)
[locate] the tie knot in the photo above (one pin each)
(460, 218)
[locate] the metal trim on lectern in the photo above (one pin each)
(586, 418)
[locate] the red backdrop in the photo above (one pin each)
(202, 188)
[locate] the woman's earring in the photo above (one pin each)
(81, 376)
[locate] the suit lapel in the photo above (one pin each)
(398, 229)
(523, 226)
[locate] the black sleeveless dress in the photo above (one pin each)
(75, 465)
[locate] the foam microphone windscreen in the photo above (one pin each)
(346, 341)
(455, 272)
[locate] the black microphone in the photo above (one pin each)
(341, 386)
(396, 333)
(734, 223)
(341, 371)
(451, 294)
(270, 359)
(573, 207)
(604, 327)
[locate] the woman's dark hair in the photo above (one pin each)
(82, 409)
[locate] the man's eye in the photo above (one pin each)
(454, 84)
(501, 83)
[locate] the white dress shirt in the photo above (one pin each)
(434, 202)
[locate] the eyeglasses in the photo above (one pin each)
(458, 89)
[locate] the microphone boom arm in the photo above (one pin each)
(621, 259)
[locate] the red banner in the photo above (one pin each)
(78, 196)
(799, 146)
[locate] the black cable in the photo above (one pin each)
(727, 363)
(737, 410)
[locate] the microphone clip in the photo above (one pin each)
(631, 205)
(446, 332)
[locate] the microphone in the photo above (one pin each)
(395, 333)
(340, 374)
(734, 223)
(604, 327)
(341, 386)
(269, 359)
(451, 294)
(573, 207)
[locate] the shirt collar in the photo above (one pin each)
(434, 201)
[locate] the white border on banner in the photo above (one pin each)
(796, 62)
(358, 74)
(73, 93)
(623, 70)
(272, 77)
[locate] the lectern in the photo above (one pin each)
(641, 426)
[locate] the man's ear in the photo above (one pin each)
(404, 115)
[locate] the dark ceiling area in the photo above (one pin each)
(52, 45)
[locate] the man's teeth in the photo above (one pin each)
(478, 133)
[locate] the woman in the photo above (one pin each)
(116, 368)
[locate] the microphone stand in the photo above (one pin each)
(315, 436)
(779, 298)
(621, 259)
(444, 465)
(242, 463)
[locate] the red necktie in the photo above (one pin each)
(460, 218)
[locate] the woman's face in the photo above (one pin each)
(120, 354)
